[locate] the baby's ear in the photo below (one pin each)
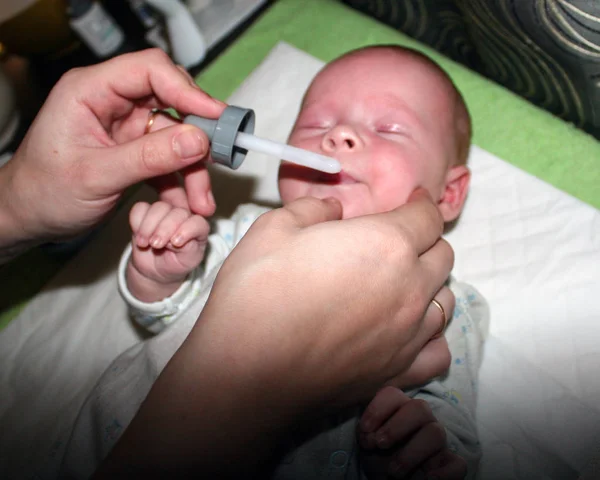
(455, 192)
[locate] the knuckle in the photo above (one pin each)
(157, 55)
(271, 219)
(421, 407)
(449, 250)
(434, 215)
(71, 76)
(451, 301)
(181, 212)
(392, 243)
(271, 224)
(372, 411)
(436, 433)
(138, 208)
(298, 210)
(388, 391)
(313, 202)
(445, 357)
(150, 157)
(160, 205)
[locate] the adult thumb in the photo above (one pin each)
(308, 211)
(158, 153)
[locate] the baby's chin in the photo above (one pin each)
(354, 198)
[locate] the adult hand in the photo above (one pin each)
(306, 314)
(87, 145)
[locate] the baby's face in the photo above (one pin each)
(387, 119)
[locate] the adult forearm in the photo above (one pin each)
(14, 239)
(207, 415)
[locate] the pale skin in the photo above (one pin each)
(395, 136)
(87, 145)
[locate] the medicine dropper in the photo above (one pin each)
(231, 136)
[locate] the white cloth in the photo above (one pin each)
(121, 390)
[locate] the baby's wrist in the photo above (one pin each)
(148, 289)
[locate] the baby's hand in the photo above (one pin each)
(168, 242)
(401, 438)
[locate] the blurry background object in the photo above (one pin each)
(547, 51)
(217, 18)
(188, 47)
(9, 114)
(40, 40)
(34, 27)
(39, 31)
(96, 28)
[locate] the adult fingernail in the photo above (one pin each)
(189, 144)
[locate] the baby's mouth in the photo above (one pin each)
(302, 173)
(341, 178)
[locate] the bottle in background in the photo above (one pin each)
(151, 20)
(97, 29)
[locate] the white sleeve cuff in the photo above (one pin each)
(164, 311)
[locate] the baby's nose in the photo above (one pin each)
(341, 138)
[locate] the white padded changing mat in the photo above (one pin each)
(532, 251)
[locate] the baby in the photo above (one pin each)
(395, 122)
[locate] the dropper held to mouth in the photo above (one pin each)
(231, 137)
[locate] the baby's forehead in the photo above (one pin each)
(364, 67)
(381, 72)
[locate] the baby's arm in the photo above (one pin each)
(168, 243)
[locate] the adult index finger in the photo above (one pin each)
(150, 73)
(308, 211)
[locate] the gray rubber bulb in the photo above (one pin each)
(222, 133)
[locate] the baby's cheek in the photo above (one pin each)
(394, 180)
(391, 195)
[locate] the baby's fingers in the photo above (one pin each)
(426, 443)
(413, 416)
(137, 214)
(385, 404)
(167, 227)
(195, 227)
(152, 217)
(446, 466)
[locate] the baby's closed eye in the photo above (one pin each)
(392, 128)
